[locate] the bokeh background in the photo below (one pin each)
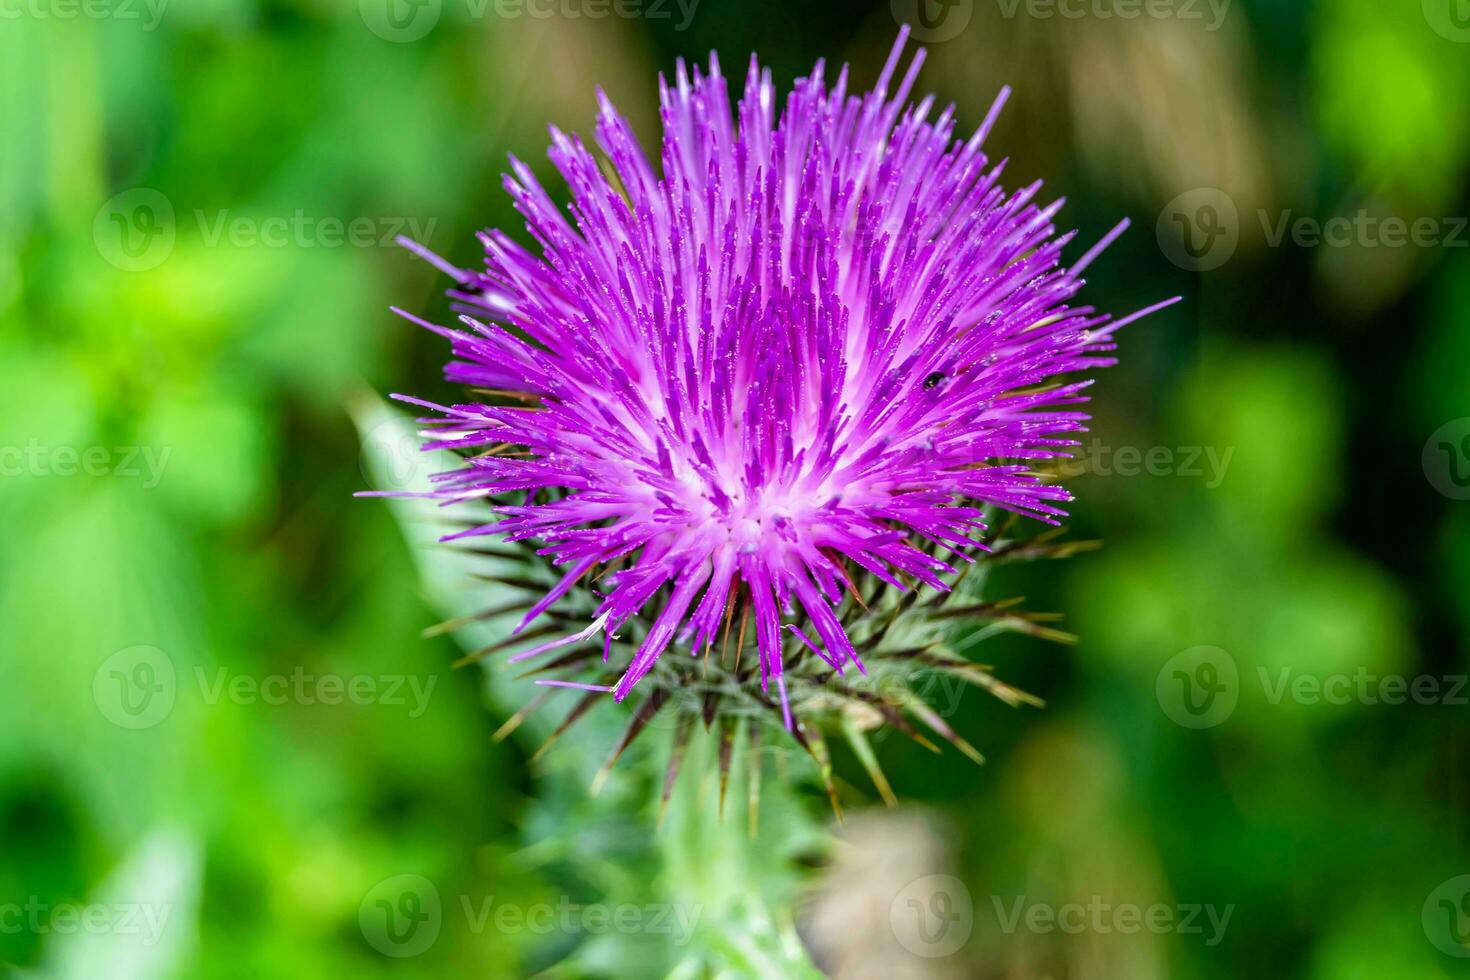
(221, 728)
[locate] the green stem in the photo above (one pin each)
(742, 886)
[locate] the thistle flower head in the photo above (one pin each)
(817, 344)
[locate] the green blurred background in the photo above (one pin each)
(197, 206)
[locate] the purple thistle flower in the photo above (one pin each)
(822, 337)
